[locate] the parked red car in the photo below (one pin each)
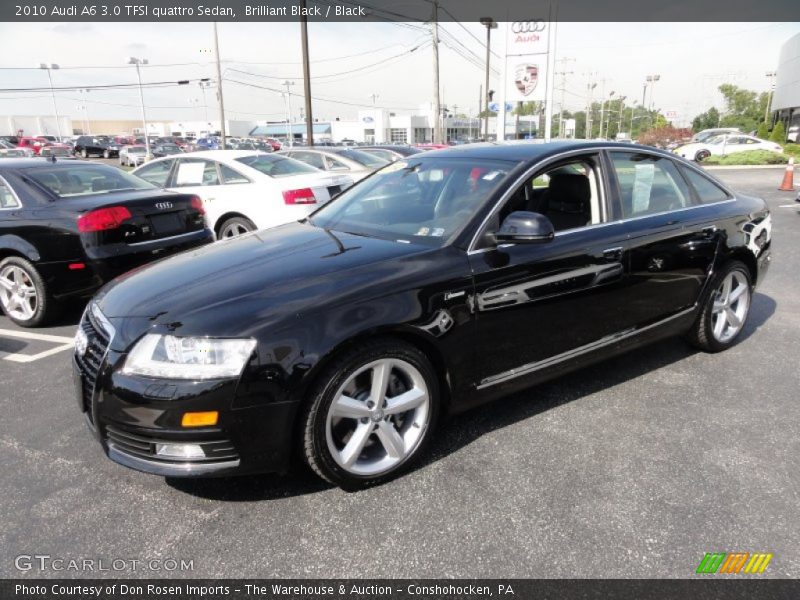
(34, 143)
(431, 146)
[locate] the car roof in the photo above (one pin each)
(527, 150)
(220, 154)
(24, 163)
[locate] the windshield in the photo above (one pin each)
(276, 166)
(136, 150)
(424, 200)
(80, 179)
(170, 148)
(362, 158)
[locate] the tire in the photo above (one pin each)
(235, 226)
(368, 443)
(84, 153)
(18, 276)
(725, 309)
(702, 155)
(106, 154)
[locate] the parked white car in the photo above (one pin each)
(725, 144)
(132, 156)
(339, 159)
(244, 190)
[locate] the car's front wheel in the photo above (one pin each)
(106, 154)
(23, 294)
(725, 310)
(84, 153)
(371, 414)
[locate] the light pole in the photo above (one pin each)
(602, 113)
(633, 110)
(619, 124)
(289, 132)
(589, 89)
(490, 24)
(85, 104)
(204, 84)
(48, 68)
(771, 76)
(138, 62)
(651, 79)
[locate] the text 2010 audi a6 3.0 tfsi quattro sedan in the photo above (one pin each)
(444, 280)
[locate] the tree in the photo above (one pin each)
(706, 120)
(778, 133)
(661, 136)
(763, 130)
(743, 108)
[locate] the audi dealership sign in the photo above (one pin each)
(526, 60)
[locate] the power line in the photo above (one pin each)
(112, 86)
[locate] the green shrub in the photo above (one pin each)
(778, 133)
(763, 131)
(792, 150)
(751, 157)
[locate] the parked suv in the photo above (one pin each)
(88, 145)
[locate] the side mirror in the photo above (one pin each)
(524, 227)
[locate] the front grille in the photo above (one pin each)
(143, 445)
(90, 362)
(334, 190)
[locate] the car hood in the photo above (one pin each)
(272, 275)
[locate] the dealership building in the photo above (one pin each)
(786, 100)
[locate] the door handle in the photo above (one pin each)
(613, 253)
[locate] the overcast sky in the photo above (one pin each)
(691, 58)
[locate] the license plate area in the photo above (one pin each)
(167, 224)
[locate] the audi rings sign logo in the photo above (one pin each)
(535, 26)
(163, 205)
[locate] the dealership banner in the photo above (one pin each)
(707, 588)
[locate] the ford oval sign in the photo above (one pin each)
(368, 120)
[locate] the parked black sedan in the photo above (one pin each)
(442, 281)
(68, 226)
(390, 152)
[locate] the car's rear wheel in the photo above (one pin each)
(702, 155)
(85, 153)
(235, 226)
(725, 310)
(23, 294)
(106, 154)
(371, 414)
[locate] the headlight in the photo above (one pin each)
(188, 357)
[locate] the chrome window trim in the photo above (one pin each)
(4, 181)
(166, 239)
(575, 352)
(472, 250)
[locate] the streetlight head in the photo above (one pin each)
(54, 66)
(42, 66)
(132, 61)
(145, 61)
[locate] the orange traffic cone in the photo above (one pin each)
(788, 177)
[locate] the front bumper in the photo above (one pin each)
(132, 417)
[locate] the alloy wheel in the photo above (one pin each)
(18, 293)
(234, 229)
(731, 303)
(378, 417)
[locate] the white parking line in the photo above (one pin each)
(795, 205)
(65, 343)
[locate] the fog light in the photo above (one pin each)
(180, 450)
(200, 419)
(81, 342)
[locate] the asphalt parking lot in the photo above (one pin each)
(632, 468)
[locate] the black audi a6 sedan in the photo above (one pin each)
(68, 226)
(443, 281)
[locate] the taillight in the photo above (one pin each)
(303, 196)
(197, 204)
(103, 218)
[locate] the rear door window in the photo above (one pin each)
(7, 197)
(196, 172)
(707, 191)
(230, 176)
(648, 184)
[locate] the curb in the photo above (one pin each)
(728, 167)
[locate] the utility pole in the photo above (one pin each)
(48, 68)
(306, 75)
(563, 74)
(219, 89)
(205, 83)
(480, 101)
(490, 24)
(437, 127)
(289, 132)
(651, 79)
(589, 93)
(619, 124)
